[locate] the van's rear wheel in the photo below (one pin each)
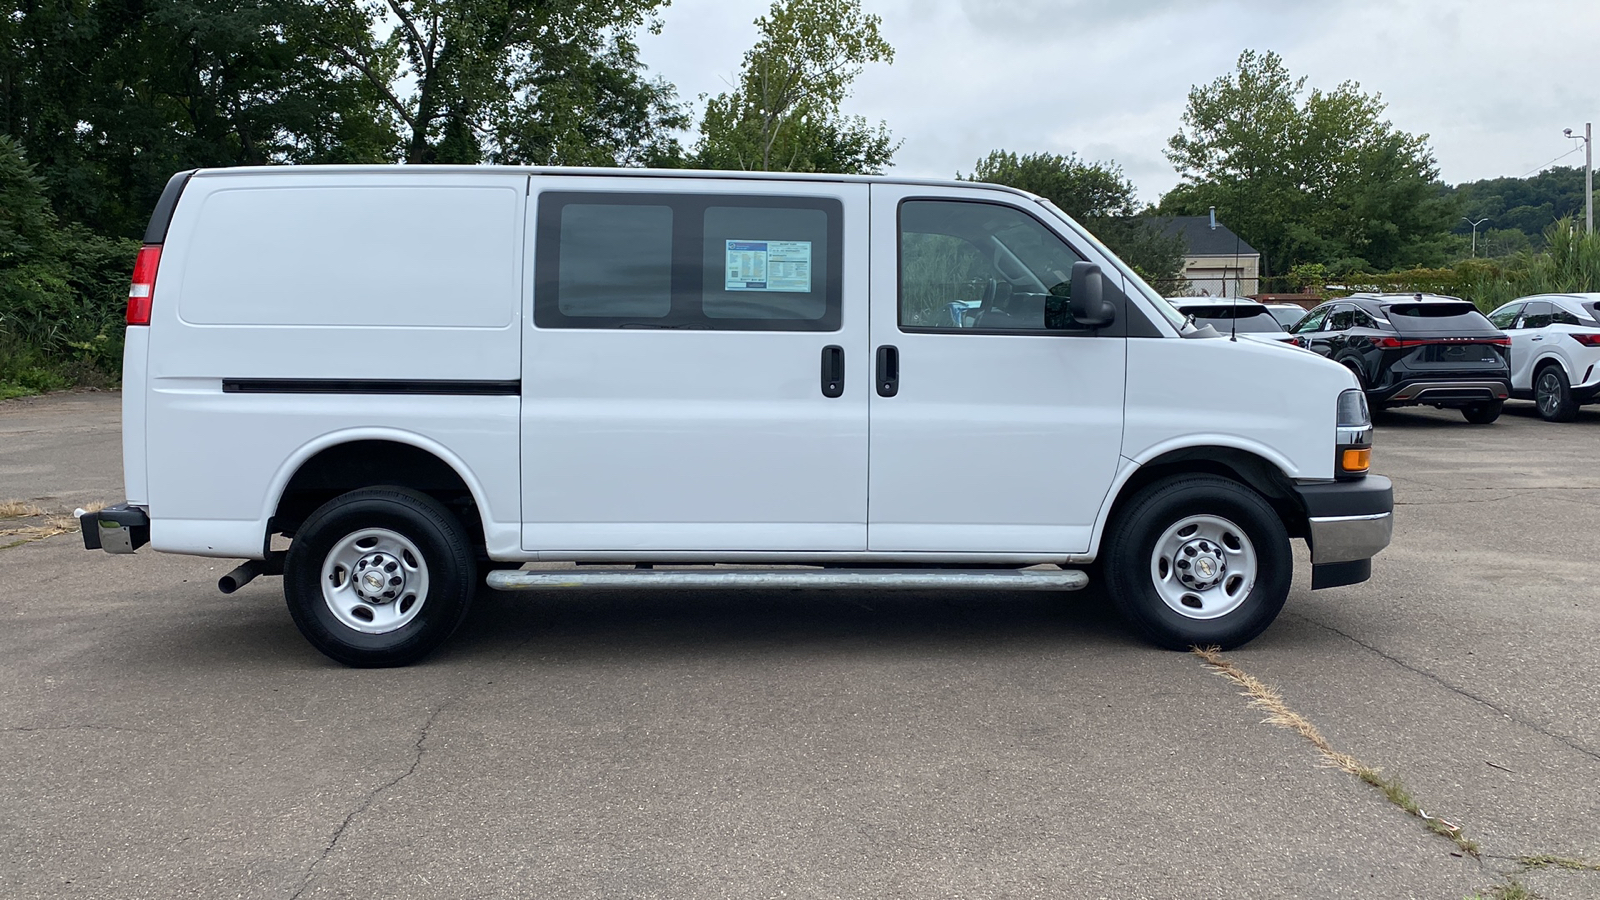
(379, 577)
(1199, 560)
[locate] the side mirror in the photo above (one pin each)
(1086, 307)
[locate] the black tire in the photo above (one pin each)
(1132, 567)
(1552, 391)
(1483, 413)
(444, 558)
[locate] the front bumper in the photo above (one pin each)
(1347, 523)
(115, 529)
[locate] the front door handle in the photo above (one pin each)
(832, 371)
(888, 371)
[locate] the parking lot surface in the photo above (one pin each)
(160, 739)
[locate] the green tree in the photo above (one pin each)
(784, 114)
(1325, 179)
(62, 289)
(1529, 205)
(110, 97)
(555, 82)
(1099, 196)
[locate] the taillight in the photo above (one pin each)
(1588, 340)
(1389, 343)
(144, 284)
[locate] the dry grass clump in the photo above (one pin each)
(1264, 698)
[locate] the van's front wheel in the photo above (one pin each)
(1199, 560)
(379, 577)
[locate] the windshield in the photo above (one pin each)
(1134, 282)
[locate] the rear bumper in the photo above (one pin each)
(115, 529)
(1347, 523)
(1446, 391)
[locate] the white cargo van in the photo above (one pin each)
(424, 377)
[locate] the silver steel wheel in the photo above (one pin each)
(1203, 567)
(1548, 393)
(374, 580)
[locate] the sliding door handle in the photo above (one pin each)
(832, 371)
(888, 371)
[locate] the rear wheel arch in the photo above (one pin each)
(358, 463)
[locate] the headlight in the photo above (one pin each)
(1353, 410)
(1352, 455)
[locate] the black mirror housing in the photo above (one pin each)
(1086, 308)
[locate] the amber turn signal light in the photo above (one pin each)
(1356, 459)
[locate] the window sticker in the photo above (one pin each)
(768, 266)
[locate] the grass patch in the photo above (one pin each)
(1511, 890)
(1279, 713)
(17, 509)
(1546, 861)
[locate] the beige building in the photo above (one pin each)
(1217, 262)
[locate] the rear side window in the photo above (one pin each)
(695, 261)
(1539, 314)
(594, 280)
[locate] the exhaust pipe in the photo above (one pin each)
(249, 570)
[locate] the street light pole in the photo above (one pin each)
(1475, 232)
(1588, 173)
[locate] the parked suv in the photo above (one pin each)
(417, 375)
(1555, 351)
(1411, 349)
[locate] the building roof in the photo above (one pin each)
(1201, 238)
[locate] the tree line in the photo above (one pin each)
(102, 100)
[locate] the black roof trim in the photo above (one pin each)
(161, 219)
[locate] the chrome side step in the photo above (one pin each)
(804, 579)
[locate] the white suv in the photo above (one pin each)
(1555, 351)
(419, 374)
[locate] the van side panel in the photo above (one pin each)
(294, 307)
(1270, 388)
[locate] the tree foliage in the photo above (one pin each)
(62, 289)
(784, 113)
(552, 82)
(1099, 196)
(1320, 179)
(1525, 205)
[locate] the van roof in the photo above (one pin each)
(617, 172)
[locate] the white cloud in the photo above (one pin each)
(1492, 83)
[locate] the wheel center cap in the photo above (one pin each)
(379, 579)
(1200, 564)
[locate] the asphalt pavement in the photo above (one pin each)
(159, 739)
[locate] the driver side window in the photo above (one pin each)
(968, 265)
(1312, 321)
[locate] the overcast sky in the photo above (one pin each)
(1492, 82)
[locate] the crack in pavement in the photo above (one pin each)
(1563, 740)
(372, 797)
(27, 729)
